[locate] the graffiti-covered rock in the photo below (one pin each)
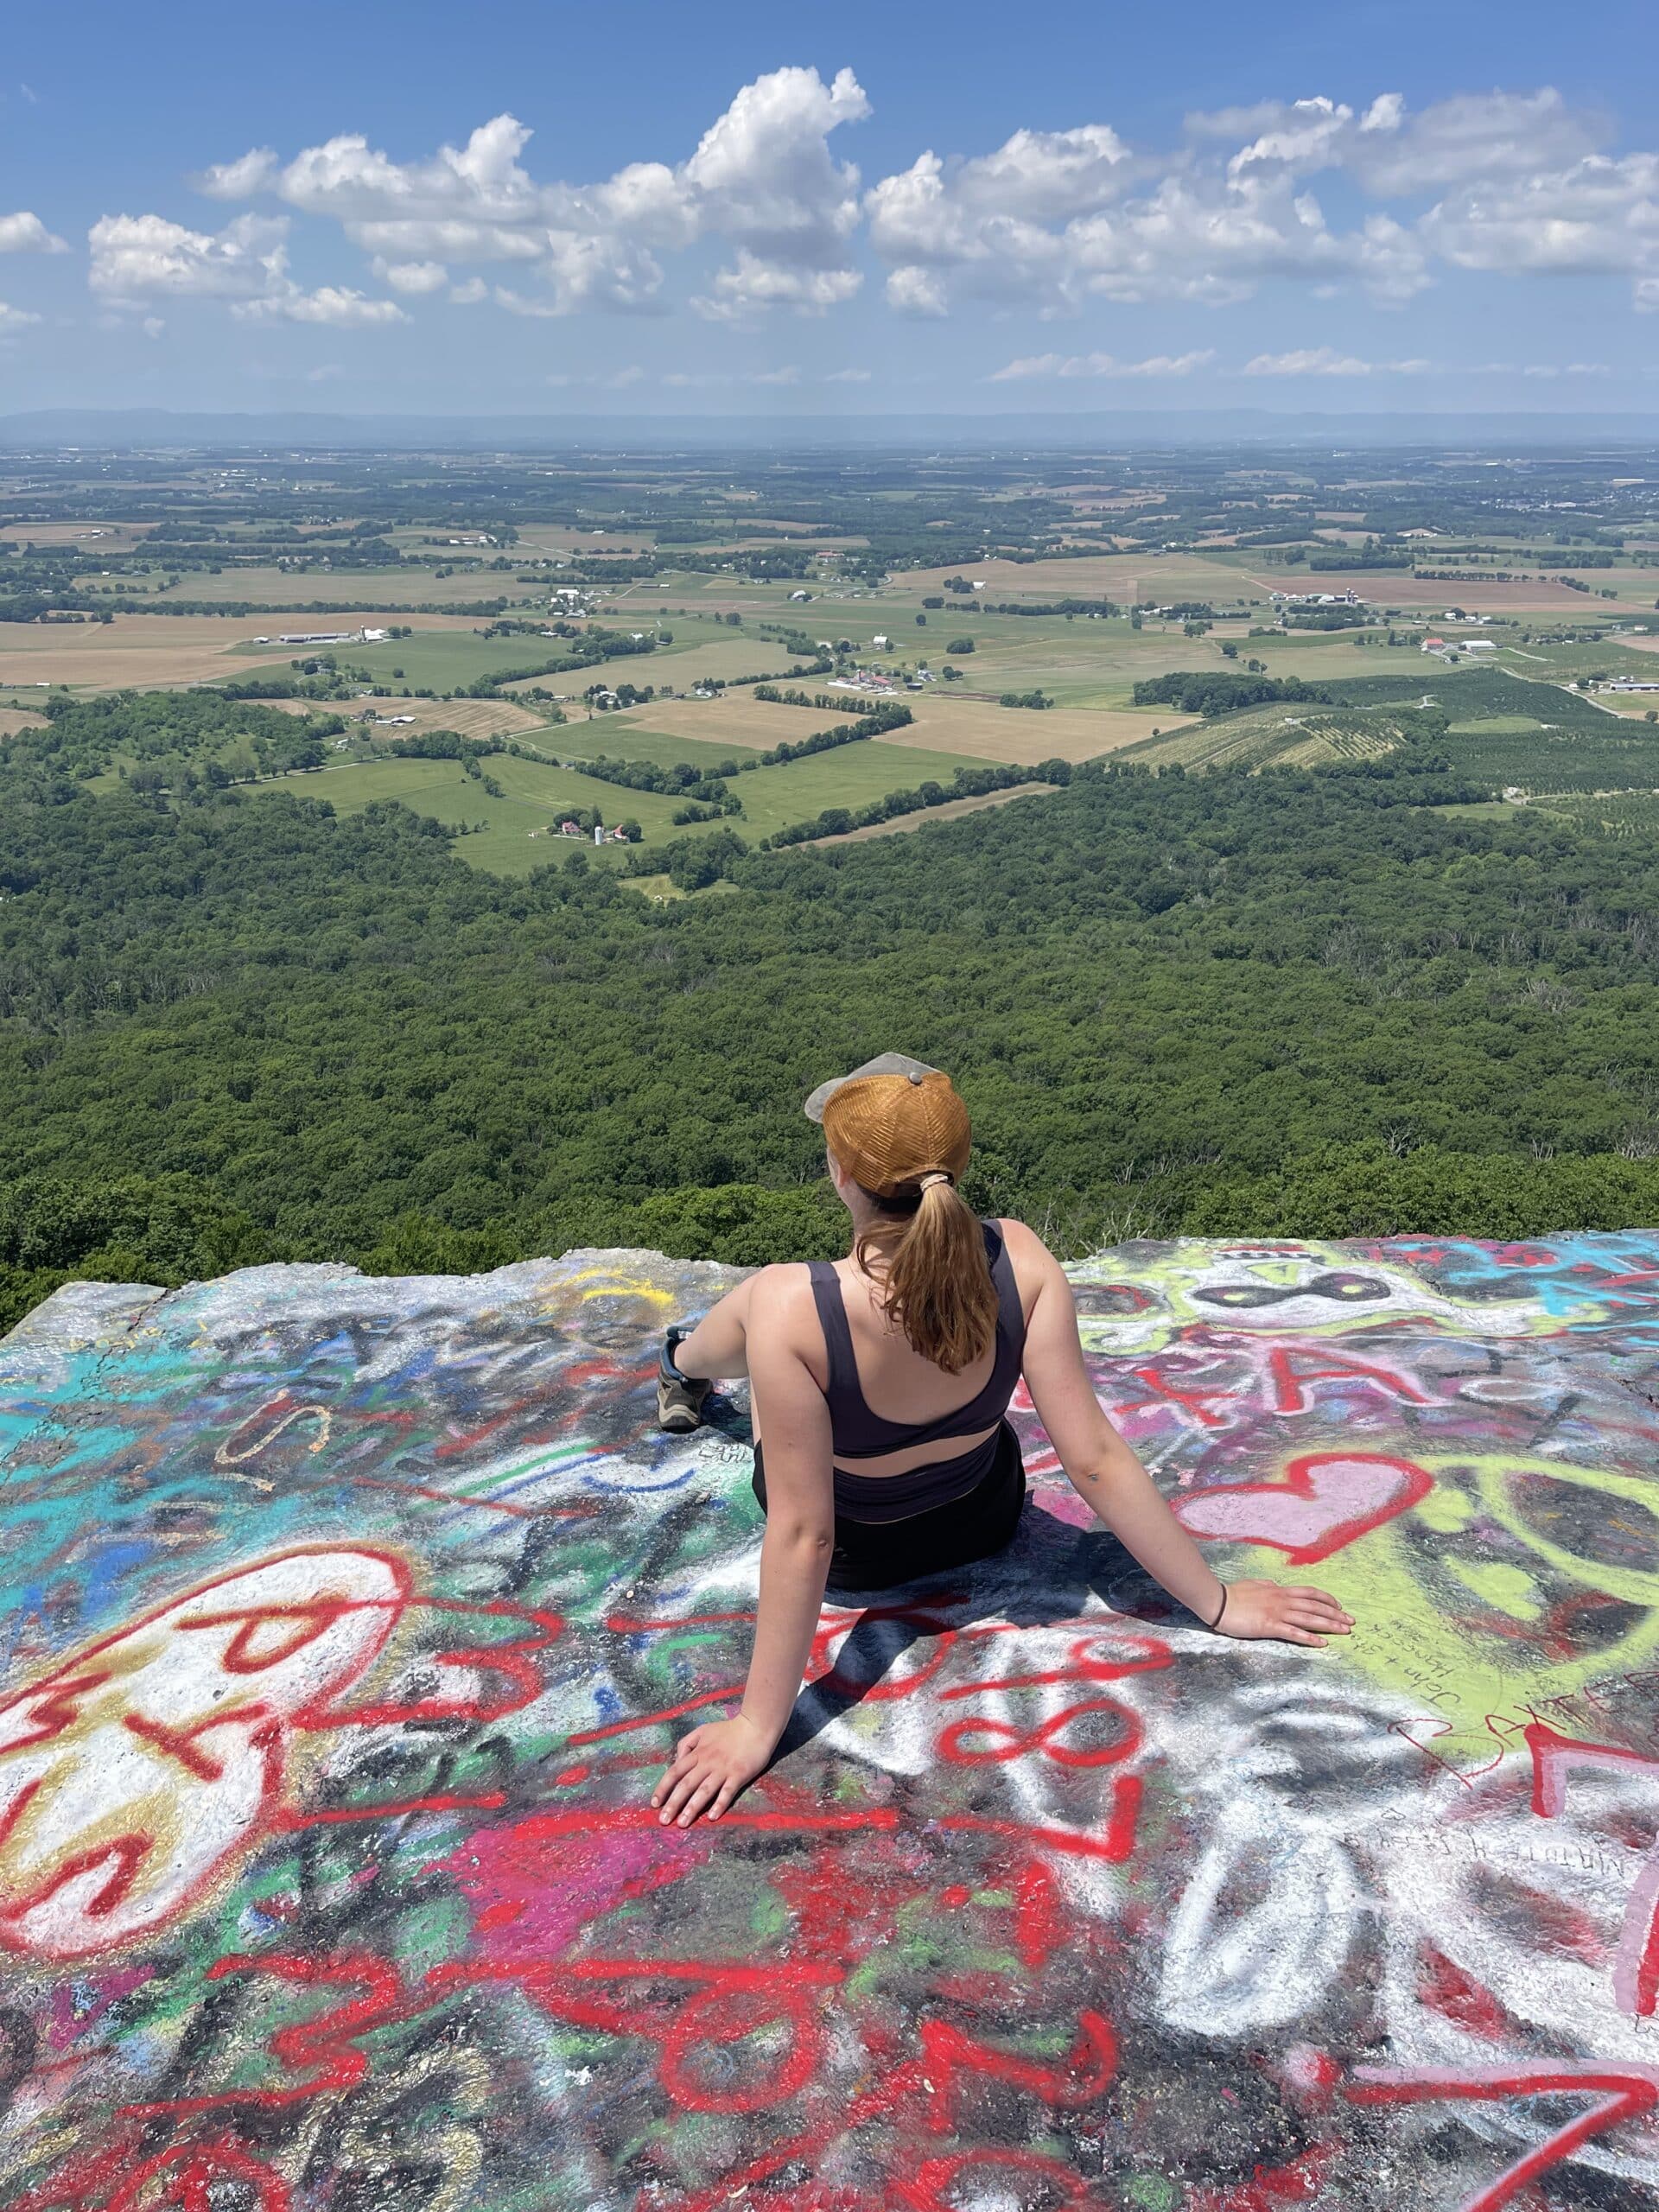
(348, 1624)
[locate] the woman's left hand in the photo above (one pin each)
(1286, 1613)
(711, 1767)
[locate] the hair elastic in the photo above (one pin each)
(937, 1175)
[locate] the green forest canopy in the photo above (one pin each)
(233, 1026)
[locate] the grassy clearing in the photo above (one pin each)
(948, 812)
(625, 739)
(535, 795)
(851, 776)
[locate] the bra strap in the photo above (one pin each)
(843, 1390)
(1011, 1312)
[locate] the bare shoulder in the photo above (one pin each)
(1027, 1251)
(1033, 1262)
(779, 1307)
(1024, 1243)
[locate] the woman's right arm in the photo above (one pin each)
(1106, 1474)
(716, 1763)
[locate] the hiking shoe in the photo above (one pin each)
(679, 1403)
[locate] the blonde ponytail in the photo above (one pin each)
(939, 1290)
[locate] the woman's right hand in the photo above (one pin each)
(1284, 1612)
(712, 1765)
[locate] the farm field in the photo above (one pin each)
(1124, 577)
(725, 659)
(1588, 657)
(439, 660)
(12, 719)
(1399, 588)
(476, 718)
(773, 798)
(738, 718)
(381, 588)
(1097, 664)
(951, 724)
(89, 538)
(153, 651)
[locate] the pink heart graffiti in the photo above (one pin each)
(1325, 1501)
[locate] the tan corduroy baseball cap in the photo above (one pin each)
(888, 1129)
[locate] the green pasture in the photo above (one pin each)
(441, 660)
(537, 792)
(849, 776)
(626, 741)
(535, 796)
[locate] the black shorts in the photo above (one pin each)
(877, 1555)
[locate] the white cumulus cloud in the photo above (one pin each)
(137, 257)
(762, 179)
(412, 277)
(1375, 196)
(26, 233)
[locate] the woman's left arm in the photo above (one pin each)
(1105, 1471)
(716, 1763)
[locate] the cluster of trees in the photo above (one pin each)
(825, 702)
(1102, 609)
(1036, 700)
(166, 737)
(451, 745)
(1221, 691)
(679, 779)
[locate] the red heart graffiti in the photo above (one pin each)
(1325, 1500)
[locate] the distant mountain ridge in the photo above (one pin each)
(138, 427)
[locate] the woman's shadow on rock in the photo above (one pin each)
(1047, 1575)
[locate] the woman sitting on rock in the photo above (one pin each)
(879, 1386)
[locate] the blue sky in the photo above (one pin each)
(733, 209)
